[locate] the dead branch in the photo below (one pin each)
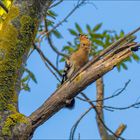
(110, 48)
(120, 129)
(79, 82)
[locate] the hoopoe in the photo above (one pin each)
(77, 60)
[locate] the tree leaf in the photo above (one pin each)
(32, 76)
(25, 78)
(79, 29)
(97, 27)
(98, 42)
(26, 87)
(57, 34)
(73, 32)
(88, 28)
(135, 57)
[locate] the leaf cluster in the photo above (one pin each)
(99, 41)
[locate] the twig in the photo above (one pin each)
(123, 108)
(47, 60)
(55, 4)
(51, 43)
(3, 6)
(69, 14)
(109, 97)
(73, 129)
(30, 53)
(93, 106)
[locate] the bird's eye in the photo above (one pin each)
(84, 44)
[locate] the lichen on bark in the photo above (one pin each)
(16, 35)
(14, 42)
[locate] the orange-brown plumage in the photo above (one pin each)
(80, 57)
(76, 61)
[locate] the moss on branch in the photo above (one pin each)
(16, 35)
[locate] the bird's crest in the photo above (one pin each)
(84, 39)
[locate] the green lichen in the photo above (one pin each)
(11, 121)
(15, 41)
(8, 41)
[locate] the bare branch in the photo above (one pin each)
(3, 6)
(51, 43)
(116, 93)
(135, 105)
(101, 121)
(100, 115)
(80, 3)
(74, 127)
(120, 130)
(45, 59)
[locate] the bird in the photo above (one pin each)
(76, 61)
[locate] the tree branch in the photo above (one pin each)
(79, 3)
(75, 85)
(51, 43)
(100, 96)
(113, 136)
(73, 129)
(113, 46)
(115, 94)
(47, 60)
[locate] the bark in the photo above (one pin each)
(16, 36)
(100, 96)
(100, 114)
(72, 87)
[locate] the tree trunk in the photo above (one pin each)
(16, 37)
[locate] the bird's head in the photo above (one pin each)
(85, 42)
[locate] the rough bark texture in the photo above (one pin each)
(71, 88)
(100, 96)
(16, 36)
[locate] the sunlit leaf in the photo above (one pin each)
(26, 78)
(79, 29)
(73, 32)
(88, 28)
(97, 27)
(136, 57)
(32, 76)
(57, 33)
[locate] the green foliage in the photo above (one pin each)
(79, 29)
(26, 79)
(99, 41)
(72, 32)
(97, 27)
